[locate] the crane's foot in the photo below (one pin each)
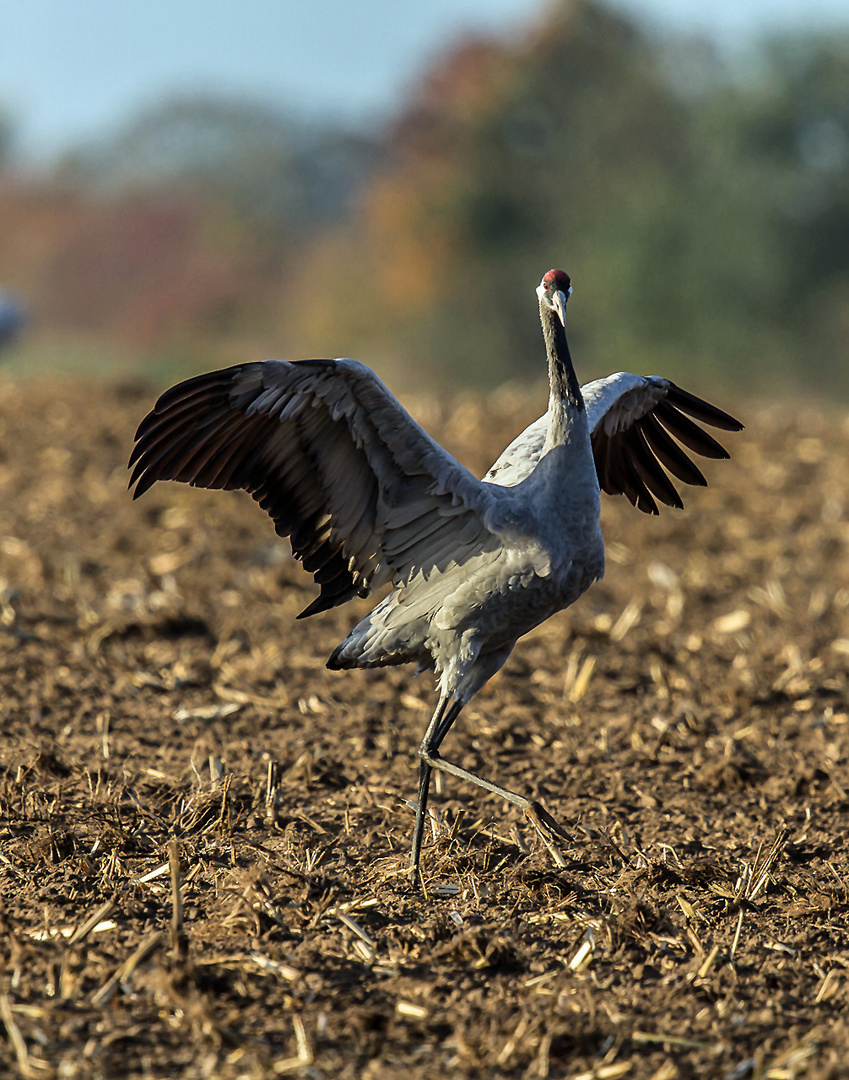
(541, 820)
(548, 829)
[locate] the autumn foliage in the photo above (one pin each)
(702, 216)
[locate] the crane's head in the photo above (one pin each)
(553, 292)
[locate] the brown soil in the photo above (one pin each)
(686, 722)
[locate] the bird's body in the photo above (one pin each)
(366, 497)
(541, 547)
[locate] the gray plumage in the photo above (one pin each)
(367, 497)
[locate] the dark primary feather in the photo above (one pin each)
(702, 410)
(197, 434)
(632, 461)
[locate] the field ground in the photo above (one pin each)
(686, 722)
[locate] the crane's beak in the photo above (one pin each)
(558, 301)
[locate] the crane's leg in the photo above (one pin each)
(425, 770)
(446, 713)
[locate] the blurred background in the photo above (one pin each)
(188, 185)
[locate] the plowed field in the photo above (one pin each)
(170, 738)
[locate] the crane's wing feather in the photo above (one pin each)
(363, 493)
(520, 458)
(632, 421)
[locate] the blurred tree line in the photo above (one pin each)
(700, 204)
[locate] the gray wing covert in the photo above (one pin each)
(521, 456)
(632, 421)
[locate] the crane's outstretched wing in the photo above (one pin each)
(631, 420)
(364, 494)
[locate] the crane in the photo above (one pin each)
(366, 498)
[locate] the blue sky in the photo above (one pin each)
(72, 69)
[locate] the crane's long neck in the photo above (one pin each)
(566, 403)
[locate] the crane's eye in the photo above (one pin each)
(545, 285)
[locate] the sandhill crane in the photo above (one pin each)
(367, 497)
